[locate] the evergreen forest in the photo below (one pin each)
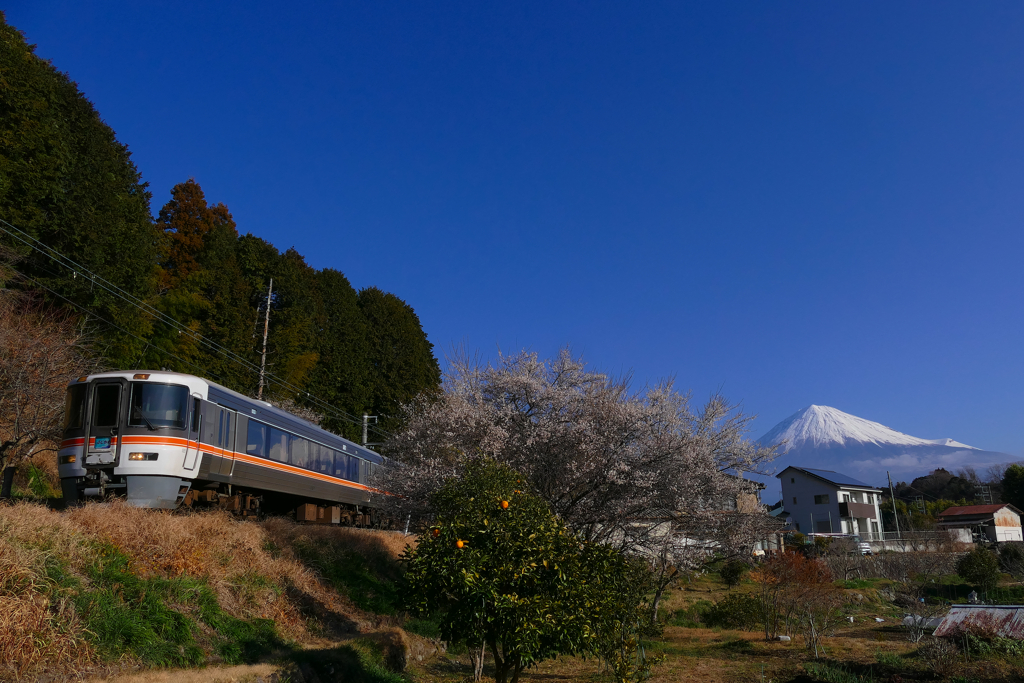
(185, 289)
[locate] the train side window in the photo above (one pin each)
(277, 445)
(353, 468)
(314, 455)
(326, 464)
(340, 464)
(257, 441)
(196, 405)
(300, 452)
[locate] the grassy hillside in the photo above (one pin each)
(108, 587)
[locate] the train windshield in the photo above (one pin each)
(74, 407)
(158, 405)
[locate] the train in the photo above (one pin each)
(170, 440)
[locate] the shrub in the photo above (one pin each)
(499, 568)
(940, 655)
(1011, 558)
(979, 567)
(737, 610)
(732, 571)
(693, 616)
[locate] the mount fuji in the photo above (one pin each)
(827, 438)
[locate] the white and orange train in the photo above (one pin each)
(165, 439)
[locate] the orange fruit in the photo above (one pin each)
(459, 544)
(437, 532)
(504, 505)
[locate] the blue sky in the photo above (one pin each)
(794, 203)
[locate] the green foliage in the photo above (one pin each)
(694, 616)
(732, 571)
(372, 583)
(1013, 486)
(428, 628)
(911, 514)
(400, 354)
(979, 567)
(829, 672)
(891, 660)
(358, 661)
(736, 610)
(521, 582)
(66, 181)
(156, 619)
(1011, 558)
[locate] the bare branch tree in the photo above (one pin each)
(41, 350)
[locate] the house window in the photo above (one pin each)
(821, 500)
(871, 499)
(794, 500)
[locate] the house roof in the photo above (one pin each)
(836, 478)
(976, 510)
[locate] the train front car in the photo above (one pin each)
(131, 433)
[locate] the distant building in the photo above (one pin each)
(823, 501)
(999, 522)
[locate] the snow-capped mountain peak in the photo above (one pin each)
(823, 437)
(826, 427)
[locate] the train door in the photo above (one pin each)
(105, 422)
(192, 447)
(226, 429)
(217, 436)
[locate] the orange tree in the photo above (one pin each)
(499, 571)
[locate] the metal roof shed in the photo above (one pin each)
(1006, 621)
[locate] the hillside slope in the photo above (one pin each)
(107, 588)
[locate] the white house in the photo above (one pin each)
(823, 501)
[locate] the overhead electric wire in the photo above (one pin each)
(132, 300)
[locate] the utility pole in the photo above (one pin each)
(366, 426)
(263, 359)
(895, 514)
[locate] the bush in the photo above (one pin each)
(738, 610)
(693, 616)
(1011, 558)
(979, 567)
(732, 571)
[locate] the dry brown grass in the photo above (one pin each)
(35, 632)
(250, 566)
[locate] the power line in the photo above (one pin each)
(132, 300)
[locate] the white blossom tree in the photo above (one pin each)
(638, 470)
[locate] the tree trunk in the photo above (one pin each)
(5, 490)
(476, 656)
(500, 665)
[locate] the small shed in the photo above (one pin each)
(999, 522)
(1006, 621)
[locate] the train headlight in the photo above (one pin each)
(67, 459)
(143, 456)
